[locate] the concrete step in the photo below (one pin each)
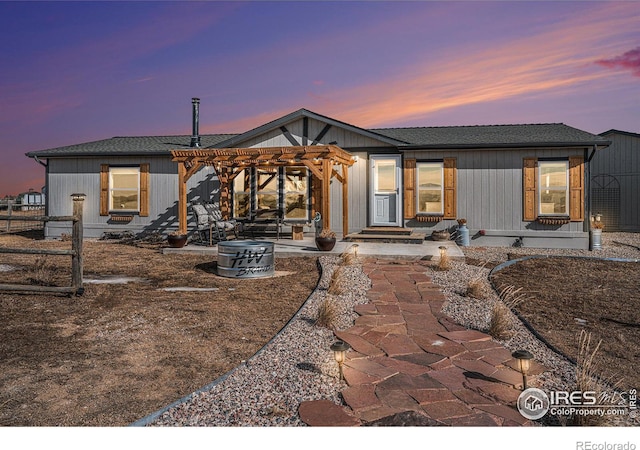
(412, 238)
(392, 231)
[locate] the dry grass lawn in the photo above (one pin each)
(567, 296)
(120, 352)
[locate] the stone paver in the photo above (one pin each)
(410, 364)
(324, 413)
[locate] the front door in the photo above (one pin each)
(385, 190)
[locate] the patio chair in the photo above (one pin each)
(209, 219)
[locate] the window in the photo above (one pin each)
(430, 188)
(553, 188)
(242, 194)
(296, 193)
(285, 189)
(267, 188)
(124, 189)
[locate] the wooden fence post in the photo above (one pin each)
(9, 210)
(76, 243)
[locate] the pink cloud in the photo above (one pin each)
(629, 60)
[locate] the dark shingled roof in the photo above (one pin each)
(492, 135)
(478, 136)
(132, 145)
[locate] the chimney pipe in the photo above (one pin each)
(195, 134)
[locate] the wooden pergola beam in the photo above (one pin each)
(228, 162)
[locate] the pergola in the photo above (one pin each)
(323, 161)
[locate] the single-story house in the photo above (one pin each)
(31, 199)
(615, 182)
(512, 183)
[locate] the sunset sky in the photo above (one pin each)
(74, 72)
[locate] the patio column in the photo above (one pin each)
(345, 200)
(182, 198)
(327, 167)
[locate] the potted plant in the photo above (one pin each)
(177, 239)
(326, 240)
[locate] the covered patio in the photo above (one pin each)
(324, 162)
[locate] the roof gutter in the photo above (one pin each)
(601, 144)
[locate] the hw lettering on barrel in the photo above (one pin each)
(246, 258)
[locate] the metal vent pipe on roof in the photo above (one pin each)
(195, 134)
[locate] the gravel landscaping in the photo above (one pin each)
(296, 365)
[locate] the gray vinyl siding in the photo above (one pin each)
(82, 175)
(622, 161)
(489, 189)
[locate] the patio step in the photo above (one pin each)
(394, 238)
(391, 231)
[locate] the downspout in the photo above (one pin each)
(587, 175)
(46, 185)
(36, 159)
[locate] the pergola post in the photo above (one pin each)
(182, 198)
(345, 200)
(327, 167)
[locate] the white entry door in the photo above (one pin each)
(386, 185)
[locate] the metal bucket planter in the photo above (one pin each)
(246, 259)
(596, 239)
(463, 235)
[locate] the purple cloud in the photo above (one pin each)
(629, 60)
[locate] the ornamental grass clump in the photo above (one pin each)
(444, 263)
(589, 378)
(350, 256)
(476, 285)
(338, 282)
(500, 324)
(327, 313)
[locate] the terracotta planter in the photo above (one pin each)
(325, 244)
(177, 241)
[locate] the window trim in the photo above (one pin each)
(143, 190)
(450, 185)
(137, 190)
(541, 188)
(530, 189)
(417, 188)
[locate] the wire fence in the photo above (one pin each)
(10, 208)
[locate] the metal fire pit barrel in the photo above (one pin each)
(245, 259)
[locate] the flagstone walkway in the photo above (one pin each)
(411, 365)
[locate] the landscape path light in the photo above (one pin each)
(339, 349)
(443, 251)
(524, 363)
